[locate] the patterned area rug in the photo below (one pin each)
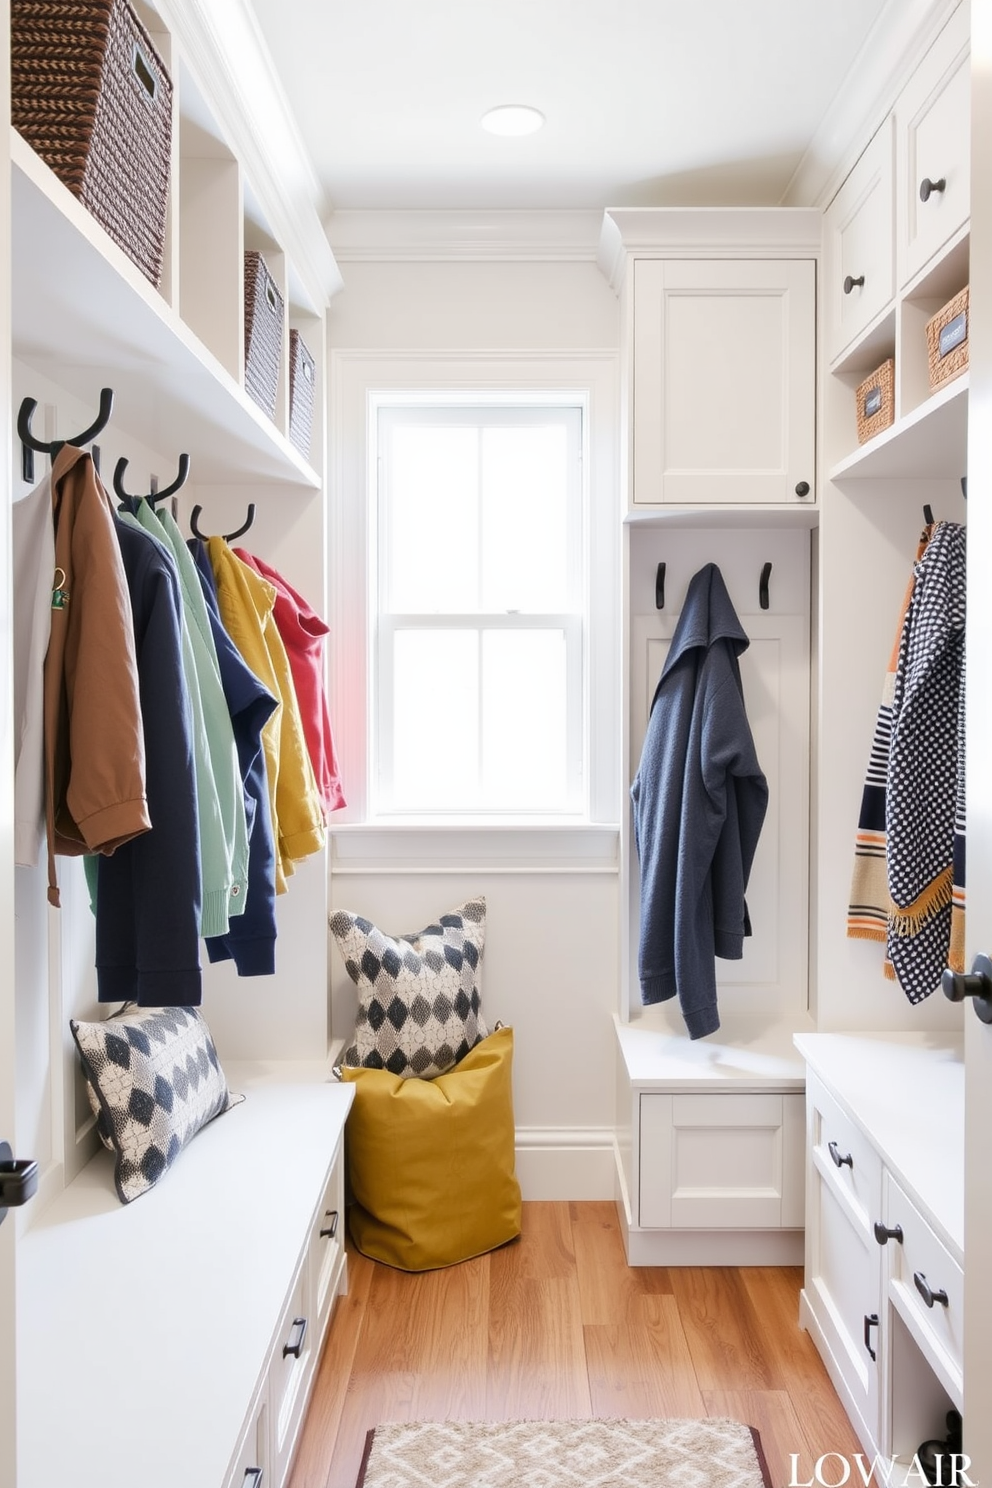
(564, 1454)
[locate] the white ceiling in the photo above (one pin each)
(648, 102)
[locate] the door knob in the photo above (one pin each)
(957, 985)
(18, 1180)
(927, 186)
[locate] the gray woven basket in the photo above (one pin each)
(92, 97)
(263, 333)
(302, 386)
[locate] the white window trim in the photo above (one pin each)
(356, 379)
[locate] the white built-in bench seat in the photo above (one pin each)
(152, 1336)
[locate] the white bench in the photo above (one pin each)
(161, 1344)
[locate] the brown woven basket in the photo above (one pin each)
(302, 386)
(92, 97)
(875, 401)
(263, 333)
(947, 340)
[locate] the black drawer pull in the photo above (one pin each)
(840, 1162)
(871, 1321)
(252, 1478)
(927, 186)
(929, 1296)
(850, 283)
(296, 1348)
(883, 1236)
(332, 1229)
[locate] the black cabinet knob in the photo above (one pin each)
(927, 1293)
(840, 1161)
(883, 1235)
(802, 489)
(957, 985)
(850, 283)
(927, 186)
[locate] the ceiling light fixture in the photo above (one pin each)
(513, 119)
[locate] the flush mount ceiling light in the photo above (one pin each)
(513, 118)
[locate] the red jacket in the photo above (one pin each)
(303, 632)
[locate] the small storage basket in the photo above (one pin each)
(91, 96)
(302, 379)
(947, 341)
(876, 401)
(263, 333)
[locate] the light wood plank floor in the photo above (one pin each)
(557, 1326)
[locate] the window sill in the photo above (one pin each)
(488, 846)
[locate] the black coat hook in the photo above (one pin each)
(228, 536)
(763, 586)
(26, 412)
(659, 587)
(928, 514)
(964, 487)
(153, 496)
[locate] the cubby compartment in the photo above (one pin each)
(210, 231)
(919, 1402)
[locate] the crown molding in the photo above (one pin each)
(473, 236)
(901, 35)
(704, 232)
(222, 45)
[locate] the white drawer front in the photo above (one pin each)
(920, 1267)
(843, 1280)
(327, 1247)
(289, 1373)
(933, 144)
(251, 1469)
(844, 1158)
(859, 242)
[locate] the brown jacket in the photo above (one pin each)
(94, 745)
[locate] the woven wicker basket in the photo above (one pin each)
(302, 386)
(263, 333)
(875, 401)
(92, 97)
(947, 341)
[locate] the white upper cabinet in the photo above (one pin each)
(858, 246)
(723, 381)
(933, 156)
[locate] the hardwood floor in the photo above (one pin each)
(555, 1326)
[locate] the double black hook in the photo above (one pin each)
(31, 443)
(228, 536)
(154, 494)
(659, 586)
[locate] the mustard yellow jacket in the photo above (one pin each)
(246, 602)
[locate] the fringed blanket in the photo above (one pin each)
(868, 911)
(912, 821)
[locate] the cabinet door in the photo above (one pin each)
(933, 149)
(251, 1467)
(858, 246)
(724, 381)
(723, 1161)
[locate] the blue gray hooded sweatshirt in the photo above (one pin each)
(699, 802)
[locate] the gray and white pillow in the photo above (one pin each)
(420, 1004)
(153, 1080)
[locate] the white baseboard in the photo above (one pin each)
(564, 1163)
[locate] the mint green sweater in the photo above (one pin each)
(219, 793)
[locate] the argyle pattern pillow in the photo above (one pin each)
(153, 1080)
(419, 1003)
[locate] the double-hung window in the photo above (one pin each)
(479, 608)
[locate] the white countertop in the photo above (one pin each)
(906, 1092)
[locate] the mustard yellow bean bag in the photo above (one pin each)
(431, 1162)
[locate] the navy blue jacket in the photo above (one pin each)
(699, 802)
(251, 938)
(148, 889)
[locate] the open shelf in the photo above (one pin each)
(738, 515)
(84, 315)
(917, 445)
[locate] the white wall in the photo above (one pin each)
(552, 949)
